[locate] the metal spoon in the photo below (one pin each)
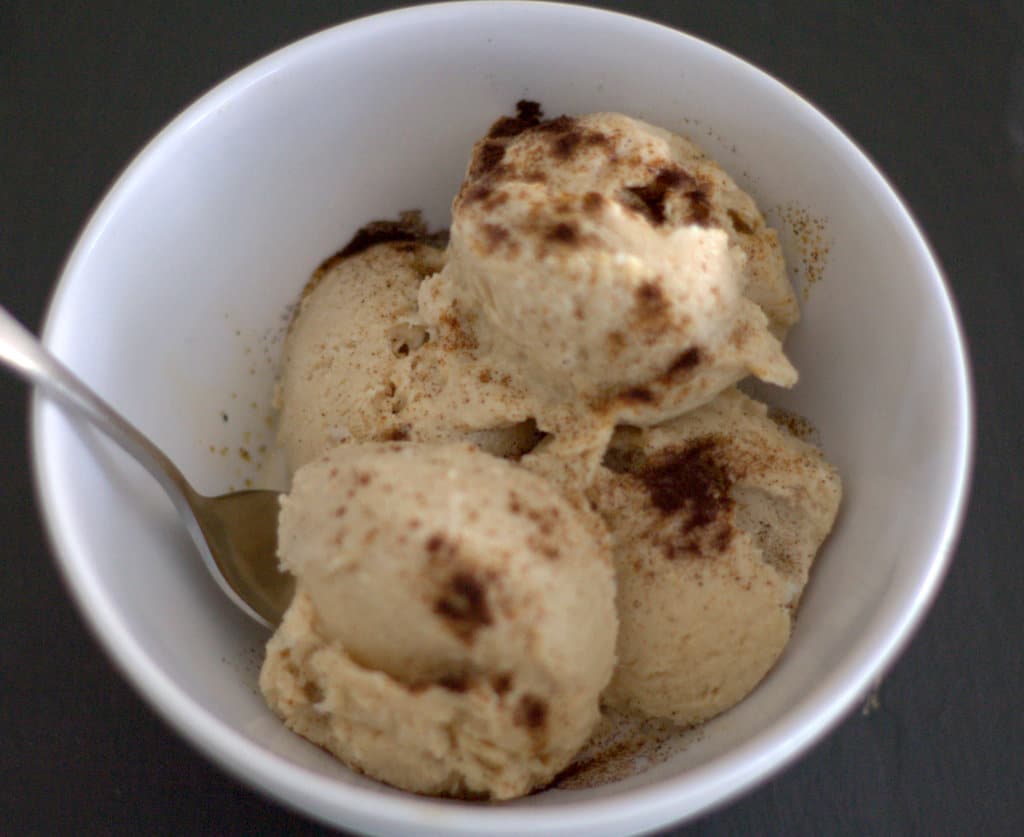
(236, 533)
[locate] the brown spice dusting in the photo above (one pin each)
(528, 115)
(794, 423)
(570, 137)
(652, 196)
(673, 178)
(458, 682)
(566, 144)
(621, 746)
(563, 234)
(694, 480)
(531, 712)
(455, 337)
(739, 223)
(495, 201)
(685, 362)
(551, 553)
(723, 538)
(463, 603)
(650, 301)
(544, 518)
(558, 125)
(501, 683)
(398, 434)
(476, 193)
(528, 110)
(487, 159)
(543, 547)
(700, 208)
(435, 543)
(312, 692)
(809, 235)
(495, 235)
(325, 267)
(641, 395)
(617, 751)
(616, 342)
(409, 227)
(691, 478)
(593, 203)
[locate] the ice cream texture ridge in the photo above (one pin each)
(527, 497)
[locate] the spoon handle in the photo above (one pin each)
(21, 352)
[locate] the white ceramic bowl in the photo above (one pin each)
(173, 300)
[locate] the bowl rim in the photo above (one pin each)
(671, 800)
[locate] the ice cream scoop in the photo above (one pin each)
(454, 624)
(603, 260)
(358, 365)
(459, 616)
(716, 518)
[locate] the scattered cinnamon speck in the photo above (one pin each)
(622, 746)
(245, 437)
(794, 423)
(809, 234)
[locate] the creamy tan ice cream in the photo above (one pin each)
(358, 366)
(716, 518)
(457, 616)
(612, 266)
(454, 624)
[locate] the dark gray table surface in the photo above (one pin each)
(935, 94)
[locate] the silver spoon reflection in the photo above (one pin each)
(236, 533)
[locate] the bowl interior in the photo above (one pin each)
(175, 299)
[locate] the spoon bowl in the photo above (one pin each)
(240, 532)
(236, 533)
